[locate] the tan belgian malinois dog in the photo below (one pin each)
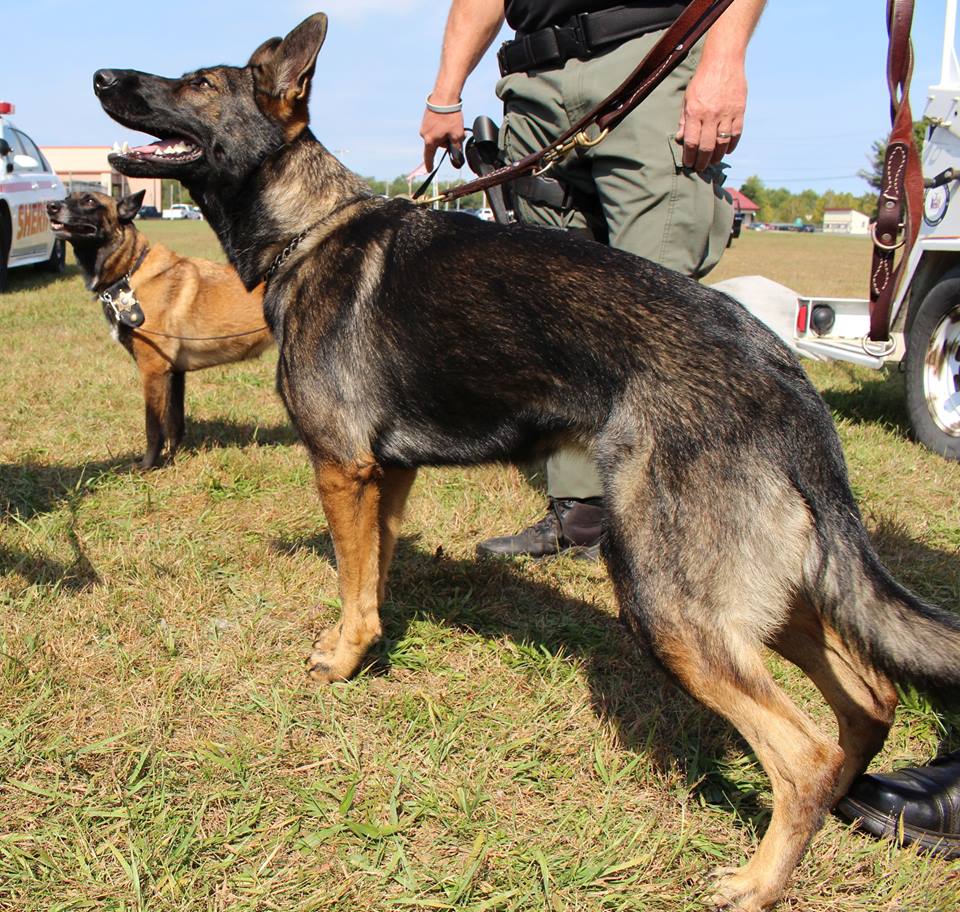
(173, 314)
(413, 337)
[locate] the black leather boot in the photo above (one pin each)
(920, 804)
(570, 525)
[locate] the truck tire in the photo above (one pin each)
(933, 369)
(5, 239)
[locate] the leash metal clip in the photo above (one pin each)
(579, 141)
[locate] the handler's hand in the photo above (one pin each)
(712, 117)
(442, 131)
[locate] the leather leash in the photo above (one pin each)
(153, 332)
(664, 56)
(901, 188)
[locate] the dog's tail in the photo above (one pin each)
(908, 639)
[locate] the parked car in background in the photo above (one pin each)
(27, 184)
(148, 212)
(182, 211)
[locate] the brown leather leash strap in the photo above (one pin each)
(673, 46)
(153, 332)
(901, 188)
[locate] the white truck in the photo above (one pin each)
(924, 319)
(181, 211)
(27, 184)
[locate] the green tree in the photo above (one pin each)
(878, 152)
(173, 192)
(752, 188)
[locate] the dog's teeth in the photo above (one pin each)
(125, 148)
(116, 147)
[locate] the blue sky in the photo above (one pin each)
(816, 71)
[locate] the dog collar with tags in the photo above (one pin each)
(120, 298)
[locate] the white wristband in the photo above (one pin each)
(444, 109)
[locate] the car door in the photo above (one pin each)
(19, 192)
(32, 236)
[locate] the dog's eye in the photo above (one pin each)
(89, 202)
(201, 82)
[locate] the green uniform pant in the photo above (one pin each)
(652, 206)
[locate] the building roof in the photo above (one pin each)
(743, 203)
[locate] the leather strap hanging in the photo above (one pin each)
(901, 189)
(673, 46)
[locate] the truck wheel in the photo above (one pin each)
(5, 238)
(933, 370)
(58, 258)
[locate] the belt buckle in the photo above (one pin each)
(569, 41)
(581, 26)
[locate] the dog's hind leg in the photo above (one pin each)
(173, 421)
(351, 497)
(803, 765)
(705, 584)
(863, 698)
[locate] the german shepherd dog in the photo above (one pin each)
(731, 525)
(196, 313)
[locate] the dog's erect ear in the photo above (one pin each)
(284, 70)
(129, 206)
(264, 53)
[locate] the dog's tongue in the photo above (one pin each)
(164, 147)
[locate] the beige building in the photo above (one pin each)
(844, 221)
(87, 168)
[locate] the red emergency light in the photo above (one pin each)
(6, 107)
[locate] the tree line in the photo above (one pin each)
(778, 205)
(781, 205)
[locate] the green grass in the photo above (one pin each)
(506, 748)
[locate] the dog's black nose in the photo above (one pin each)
(103, 79)
(53, 207)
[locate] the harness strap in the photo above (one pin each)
(669, 51)
(901, 188)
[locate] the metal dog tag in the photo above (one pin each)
(128, 308)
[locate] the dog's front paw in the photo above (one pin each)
(325, 664)
(321, 666)
(328, 639)
(322, 663)
(735, 890)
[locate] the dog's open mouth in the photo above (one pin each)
(173, 151)
(77, 228)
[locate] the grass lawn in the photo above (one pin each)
(507, 749)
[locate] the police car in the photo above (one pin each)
(27, 183)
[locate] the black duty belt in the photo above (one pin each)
(583, 36)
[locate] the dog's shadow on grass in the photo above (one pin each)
(29, 490)
(42, 570)
(208, 433)
(880, 398)
(651, 714)
(498, 599)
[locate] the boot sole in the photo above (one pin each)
(589, 554)
(886, 826)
